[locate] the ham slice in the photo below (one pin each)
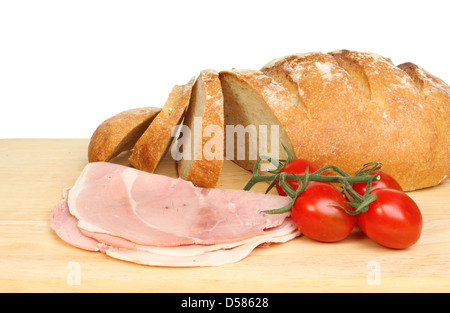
(65, 225)
(157, 220)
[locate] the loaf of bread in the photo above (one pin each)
(203, 159)
(344, 107)
(360, 107)
(119, 133)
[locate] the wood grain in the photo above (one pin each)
(33, 173)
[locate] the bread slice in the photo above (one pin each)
(152, 145)
(362, 108)
(119, 133)
(203, 160)
(255, 102)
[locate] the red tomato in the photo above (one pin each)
(393, 220)
(385, 181)
(318, 217)
(297, 166)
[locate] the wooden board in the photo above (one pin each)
(33, 259)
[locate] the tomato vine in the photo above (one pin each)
(366, 174)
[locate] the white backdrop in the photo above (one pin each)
(65, 66)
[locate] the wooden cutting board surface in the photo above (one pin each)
(33, 173)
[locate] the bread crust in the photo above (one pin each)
(206, 103)
(152, 145)
(433, 89)
(362, 108)
(119, 133)
(437, 94)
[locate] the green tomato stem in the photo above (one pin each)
(358, 202)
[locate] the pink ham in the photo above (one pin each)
(157, 220)
(65, 225)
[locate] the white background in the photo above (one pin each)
(65, 66)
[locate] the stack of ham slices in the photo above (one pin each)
(156, 220)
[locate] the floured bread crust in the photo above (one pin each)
(362, 108)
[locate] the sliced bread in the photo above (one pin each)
(202, 159)
(152, 145)
(255, 106)
(119, 133)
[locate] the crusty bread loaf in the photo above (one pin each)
(344, 107)
(204, 119)
(119, 133)
(152, 145)
(361, 108)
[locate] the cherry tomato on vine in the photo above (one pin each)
(317, 216)
(393, 220)
(385, 181)
(297, 166)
